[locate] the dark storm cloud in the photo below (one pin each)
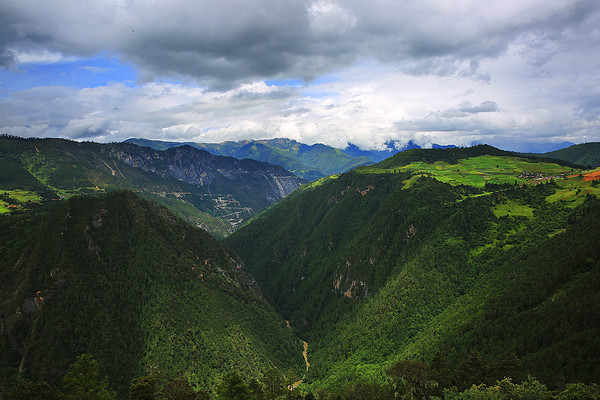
(242, 40)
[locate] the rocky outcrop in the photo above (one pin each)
(201, 168)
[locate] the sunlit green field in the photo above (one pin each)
(22, 196)
(18, 197)
(318, 182)
(4, 207)
(478, 171)
(512, 208)
(66, 193)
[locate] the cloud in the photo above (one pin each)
(467, 109)
(39, 57)
(247, 40)
(365, 106)
(337, 71)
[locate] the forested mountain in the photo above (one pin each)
(461, 257)
(585, 154)
(308, 162)
(419, 276)
(215, 192)
(126, 281)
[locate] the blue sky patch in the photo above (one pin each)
(78, 73)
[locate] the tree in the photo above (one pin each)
(412, 379)
(83, 381)
(579, 391)
(361, 390)
(28, 390)
(233, 387)
(440, 373)
(472, 371)
(145, 387)
(257, 389)
(180, 389)
(274, 382)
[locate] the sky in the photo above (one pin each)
(521, 75)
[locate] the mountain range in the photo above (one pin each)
(586, 154)
(217, 193)
(308, 162)
(318, 160)
(444, 268)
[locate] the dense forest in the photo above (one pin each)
(127, 281)
(380, 264)
(405, 380)
(435, 274)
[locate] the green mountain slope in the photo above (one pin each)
(436, 251)
(216, 193)
(586, 154)
(308, 162)
(125, 280)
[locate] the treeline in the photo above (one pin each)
(405, 380)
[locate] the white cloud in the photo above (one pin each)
(429, 71)
(40, 57)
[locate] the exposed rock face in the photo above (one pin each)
(199, 167)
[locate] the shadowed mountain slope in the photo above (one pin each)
(308, 162)
(125, 280)
(214, 192)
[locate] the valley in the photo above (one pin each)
(458, 266)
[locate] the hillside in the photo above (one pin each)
(128, 282)
(308, 162)
(214, 192)
(585, 154)
(435, 254)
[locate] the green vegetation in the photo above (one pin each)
(435, 274)
(405, 380)
(127, 281)
(386, 263)
(512, 208)
(573, 191)
(193, 215)
(477, 171)
(18, 200)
